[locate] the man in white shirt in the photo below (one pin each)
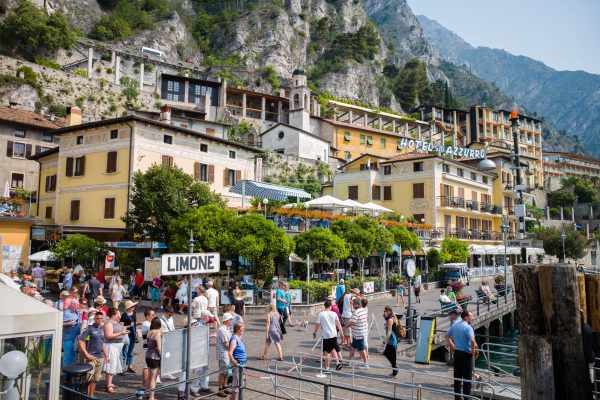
(212, 295)
(199, 304)
(329, 323)
(444, 297)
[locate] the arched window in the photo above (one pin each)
(296, 103)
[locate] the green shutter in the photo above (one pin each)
(398, 147)
(382, 142)
(369, 140)
(362, 139)
(347, 136)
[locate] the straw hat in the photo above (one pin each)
(100, 300)
(129, 304)
(356, 291)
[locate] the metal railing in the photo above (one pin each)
(491, 351)
(408, 384)
(595, 377)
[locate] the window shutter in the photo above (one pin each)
(196, 171)
(109, 207)
(28, 149)
(38, 149)
(170, 161)
(225, 176)
(49, 212)
(111, 161)
(211, 174)
(9, 148)
(165, 161)
(238, 176)
(47, 186)
(74, 210)
(387, 192)
(53, 183)
(82, 165)
(69, 169)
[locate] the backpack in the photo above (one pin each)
(399, 330)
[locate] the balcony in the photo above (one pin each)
(466, 234)
(455, 202)
(473, 205)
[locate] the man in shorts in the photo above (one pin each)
(359, 325)
(329, 323)
(212, 295)
(94, 351)
(223, 337)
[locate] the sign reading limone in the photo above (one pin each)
(441, 150)
(190, 263)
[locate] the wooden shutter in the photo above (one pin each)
(53, 183)
(238, 176)
(197, 171)
(353, 192)
(210, 131)
(376, 192)
(167, 161)
(387, 192)
(109, 207)
(48, 212)
(461, 193)
(74, 210)
(82, 172)
(47, 186)
(111, 161)
(225, 176)
(9, 148)
(418, 190)
(38, 149)
(28, 149)
(69, 168)
(211, 174)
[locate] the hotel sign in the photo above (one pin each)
(441, 150)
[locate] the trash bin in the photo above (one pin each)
(75, 376)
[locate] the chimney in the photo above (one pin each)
(165, 114)
(74, 116)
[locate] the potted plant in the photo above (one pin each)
(499, 282)
(457, 288)
(19, 197)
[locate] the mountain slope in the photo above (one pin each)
(569, 100)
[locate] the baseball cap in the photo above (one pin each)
(226, 317)
(206, 313)
(342, 280)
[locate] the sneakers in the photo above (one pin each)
(392, 375)
(339, 366)
(326, 371)
(158, 382)
(169, 377)
(363, 366)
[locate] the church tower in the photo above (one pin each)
(300, 101)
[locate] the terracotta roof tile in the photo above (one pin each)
(29, 118)
(410, 156)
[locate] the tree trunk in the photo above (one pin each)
(560, 301)
(529, 303)
(582, 295)
(535, 363)
(592, 291)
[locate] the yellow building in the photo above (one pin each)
(85, 183)
(15, 235)
(560, 165)
(455, 198)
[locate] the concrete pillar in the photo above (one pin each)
(394, 125)
(112, 57)
(561, 213)
(141, 76)
(573, 214)
(547, 212)
(500, 327)
(379, 123)
(366, 119)
(350, 117)
(279, 110)
(510, 321)
(117, 69)
(335, 113)
(263, 113)
(90, 67)
(186, 91)
(244, 105)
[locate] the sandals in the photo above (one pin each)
(262, 358)
(279, 359)
(110, 389)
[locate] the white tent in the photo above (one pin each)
(44, 255)
(376, 207)
(476, 249)
(489, 249)
(326, 202)
(356, 206)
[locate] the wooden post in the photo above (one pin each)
(582, 295)
(592, 291)
(560, 302)
(535, 364)
(529, 303)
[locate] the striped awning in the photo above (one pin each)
(267, 191)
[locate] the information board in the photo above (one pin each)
(368, 287)
(174, 349)
(295, 294)
(151, 268)
(248, 296)
(425, 339)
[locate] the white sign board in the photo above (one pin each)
(248, 296)
(368, 287)
(296, 295)
(151, 268)
(519, 243)
(190, 263)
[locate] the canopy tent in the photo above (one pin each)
(376, 207)
(44, 255)
(267, 191)
(476, 249)
(327, 202)
(356, 206)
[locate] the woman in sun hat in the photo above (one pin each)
(100, 304)
(129, 321)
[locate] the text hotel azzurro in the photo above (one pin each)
(441, 150)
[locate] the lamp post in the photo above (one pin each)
(388, 260)
(228, 264)
(410, 271)
(350, 262)
(487, 164)
(563, 236)
(505, 229)
(188, 350)
(265, 202)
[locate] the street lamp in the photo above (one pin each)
(228, 263)
(487, 164)
(563, 236)
(265, 202)
(388, 260)
(350, 262)
(505, 229)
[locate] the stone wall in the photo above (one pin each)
(98, 96)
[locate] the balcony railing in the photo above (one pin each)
(456, 202)
(459, 202)
(472, 205)
(467, 234)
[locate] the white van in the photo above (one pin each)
(456, 272)
(153, 52)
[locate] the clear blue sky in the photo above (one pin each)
(565, 35)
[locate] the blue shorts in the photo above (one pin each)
(358, 344)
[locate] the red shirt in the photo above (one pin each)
(139, 279)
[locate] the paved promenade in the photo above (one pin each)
(298, 342)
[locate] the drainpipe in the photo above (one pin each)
(130, 165)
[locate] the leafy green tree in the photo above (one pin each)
(454, 250)
(30, 30)
(261, 241)
(211, 226)
(574, 241)
(384, 240)
(434, 259)
(410, 83)
(583, 189)
(359, 236)
(562, 198)
(81, 248)
(159, 196)
(128, 261)
(321, 245)
(405, 238)
(130, 88)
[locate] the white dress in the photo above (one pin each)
(182, 293)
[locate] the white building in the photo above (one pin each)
(286, 139)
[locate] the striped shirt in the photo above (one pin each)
(223, 336)
(359, 327)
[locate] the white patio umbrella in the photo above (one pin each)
(376, 207)
(5, 279)
(44, 255)
(326, 202)
(356, 205)
(6, 190)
